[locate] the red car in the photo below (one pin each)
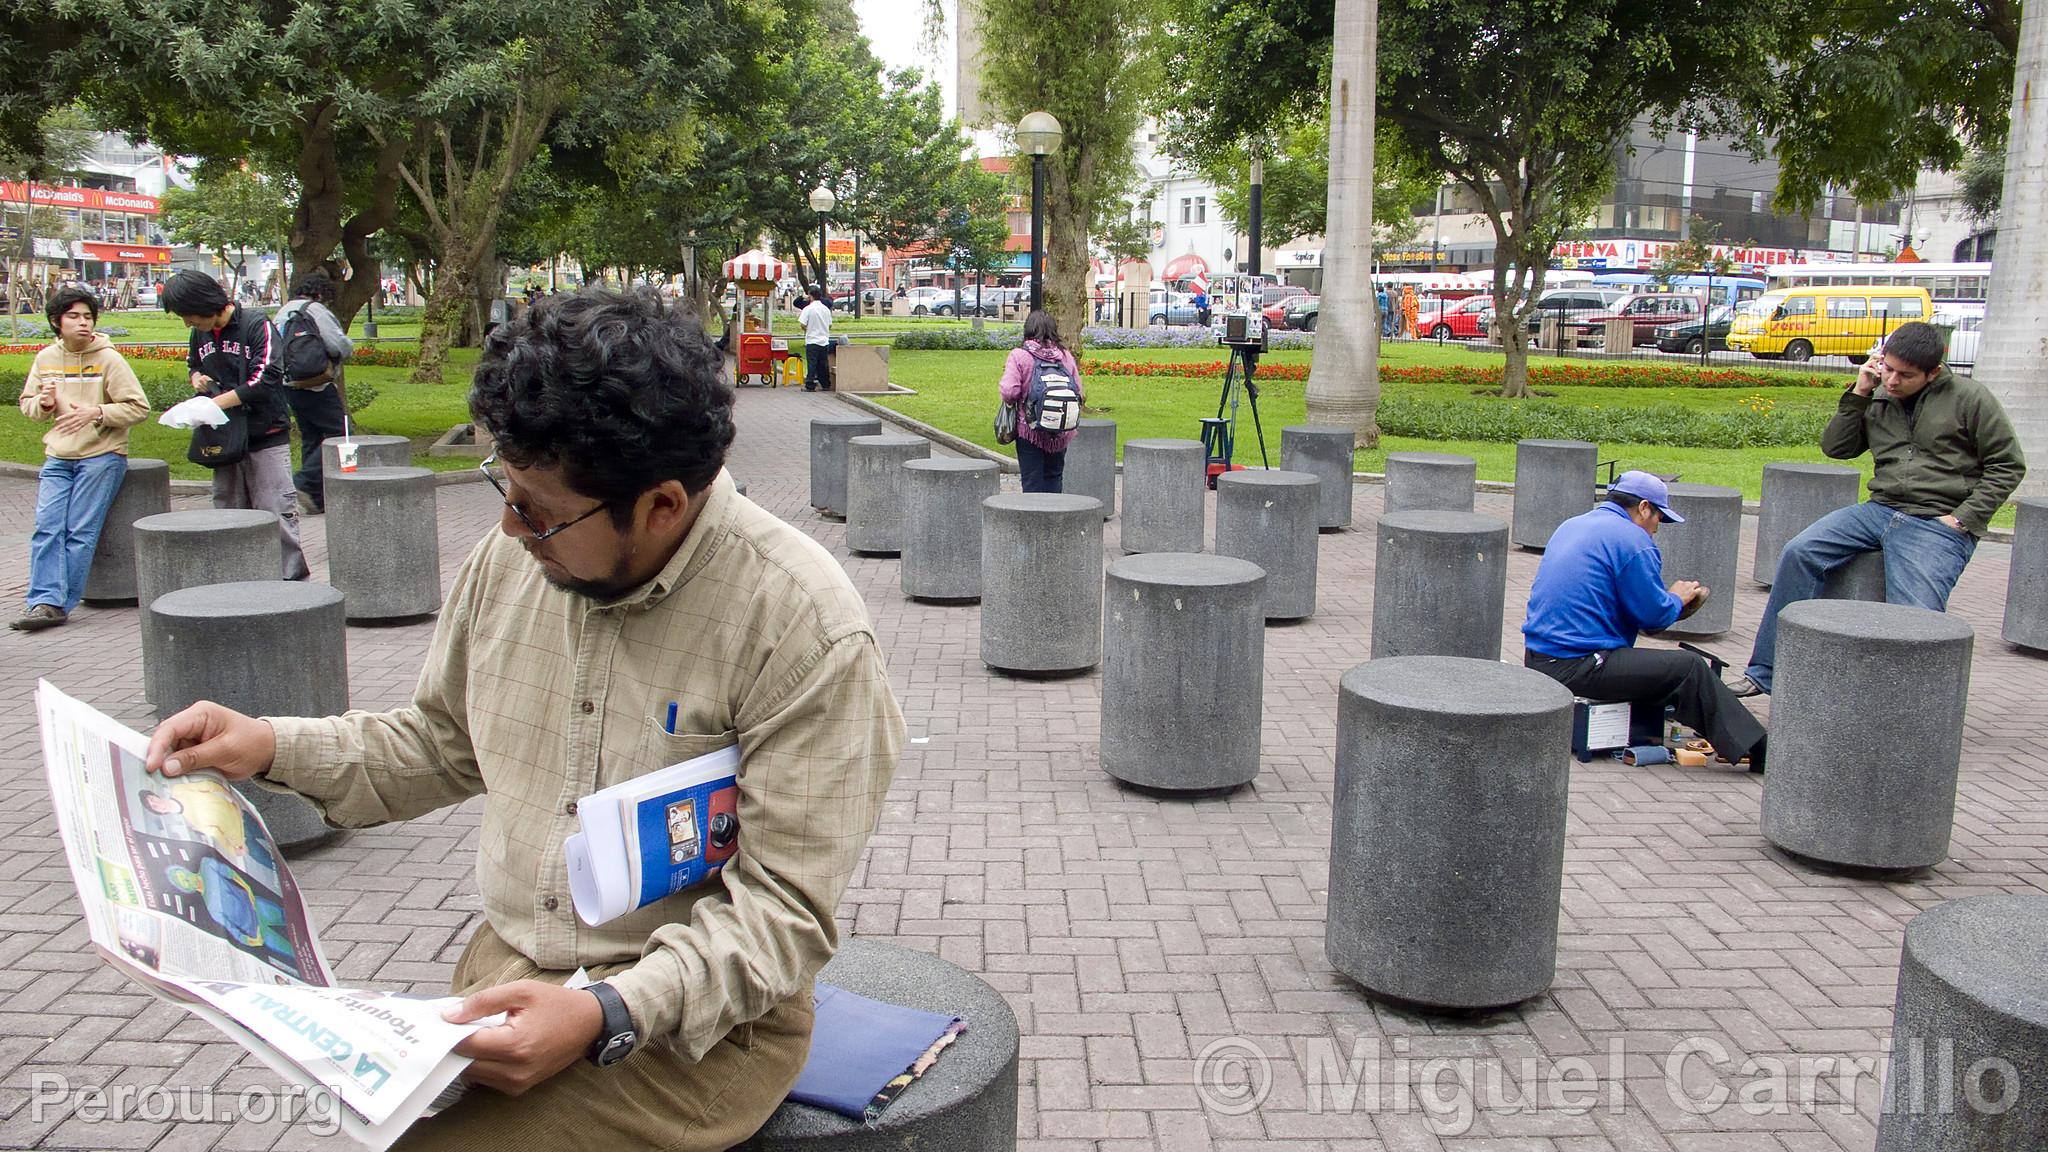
(1466, 321)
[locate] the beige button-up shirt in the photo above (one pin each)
(536, 697)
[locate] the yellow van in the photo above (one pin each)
(1834, 320)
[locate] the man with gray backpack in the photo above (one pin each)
(1042, 383)
(312, 349)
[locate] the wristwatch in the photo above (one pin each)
(615, 1038)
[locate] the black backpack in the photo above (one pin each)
(303, 354)
(1053, 403)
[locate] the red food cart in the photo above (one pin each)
(759, 356)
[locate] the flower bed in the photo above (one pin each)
(1202, 370)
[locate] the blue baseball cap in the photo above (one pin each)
(1644, 486)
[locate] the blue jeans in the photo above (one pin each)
(1923, 559)
(1041, 471)
(71, 504)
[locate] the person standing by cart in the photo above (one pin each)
(817, 322)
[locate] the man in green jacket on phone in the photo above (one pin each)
(1947, 459)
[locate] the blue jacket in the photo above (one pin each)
(1601, 582)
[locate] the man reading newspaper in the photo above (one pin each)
(628, 576)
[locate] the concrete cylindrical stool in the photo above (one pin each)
(1704, 549)
(2026, 590)
(1447, 833)
(1553, 483)
(1041, 582)
(1969, 1048)
(1184, 658)
(145, 491)
(829, 435)
(1859, 579)
(265, 648)
(966, 1100)
(384, 542)
(176, 550)
(1440, 585)
(942, 526)
(1091, 463)
(1863, 774)
(371, 452)
(1324, 451)
(1163, 503)
(1429, 482)
(875, 489)
(1269, 518)
(1794, 496)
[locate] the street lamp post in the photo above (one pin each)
(1038, 134)
(822, 202)
(1256, 222)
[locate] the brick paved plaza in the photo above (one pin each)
(1131, 933)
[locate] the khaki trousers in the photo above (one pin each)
(654, 1100)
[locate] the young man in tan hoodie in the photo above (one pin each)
(90, 397)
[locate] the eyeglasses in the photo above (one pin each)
(536, 531)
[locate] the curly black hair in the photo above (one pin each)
(315, 286)
(619, 392)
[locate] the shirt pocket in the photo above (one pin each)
(661, 748)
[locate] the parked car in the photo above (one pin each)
(1276, 294)
(1645, 311)
(1572, 303)
(871, 299)
(1965, 324)
(1466, 320)
(1301, 313)
(924, 301)
(1800, 323)
(1696, 336)
(146, 296)
(1171, 308)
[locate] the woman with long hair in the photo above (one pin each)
(1041, 455)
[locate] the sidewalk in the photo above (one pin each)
(1133, 934)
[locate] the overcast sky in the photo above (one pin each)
(895, 30)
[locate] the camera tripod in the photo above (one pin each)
(1219, 435)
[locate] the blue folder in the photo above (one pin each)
(858, 1045)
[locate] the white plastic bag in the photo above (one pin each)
(192, 413)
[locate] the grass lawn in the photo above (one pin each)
(956, 392)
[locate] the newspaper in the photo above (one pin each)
(186, 892)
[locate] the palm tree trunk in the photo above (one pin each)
(1344, 374)
(2013, 360)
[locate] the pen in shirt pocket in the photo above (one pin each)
(670, 726)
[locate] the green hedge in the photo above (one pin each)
(1589, 374)
(1506, 421)
(957, 340)
(168, 384)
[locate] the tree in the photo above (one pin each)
(320, 90)
(2011, 362)
(1693, 256)
(1344, 370)
(230, 207)
(1295, 195)
(582, 73)
(1874, 91)
(62, 138)
(1088, 62)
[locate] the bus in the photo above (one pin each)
(1730, 289)
(1946, 283)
